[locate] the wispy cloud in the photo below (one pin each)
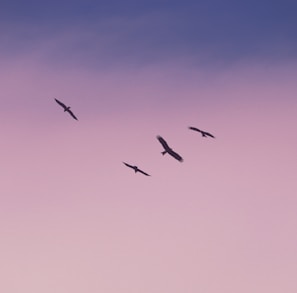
(204, 33)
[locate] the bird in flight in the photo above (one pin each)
(66, 109)
(203, 133)
(136, 169)
(168, 150)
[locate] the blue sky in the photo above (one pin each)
(149, 31)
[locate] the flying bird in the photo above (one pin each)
(168, 150)
(66, 108)
(203, 133)
(136, 169)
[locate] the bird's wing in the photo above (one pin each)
(194, 128)
(209, 134)
(175, 155)
(143, 172)
(70, 112)
(130, 166)
(163, 142)
(61, 104)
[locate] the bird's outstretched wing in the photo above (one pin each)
(143, 172)
(71, 113)
(163, 142)
(194, 128)
(61, 104)
(175, 155)
(209, 134)
(130, 166)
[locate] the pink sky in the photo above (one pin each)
(75, 219)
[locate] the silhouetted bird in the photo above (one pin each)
(168, 150)
(66, 109)
(204, 133)
(136, 169)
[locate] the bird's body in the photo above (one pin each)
(66, 109)
(203, 133)
(168, 150)
(136, 169)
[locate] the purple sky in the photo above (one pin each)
(75, 219)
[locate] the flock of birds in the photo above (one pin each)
(167, 149)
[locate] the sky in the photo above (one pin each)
(74, 218)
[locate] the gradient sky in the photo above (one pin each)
(74, 219)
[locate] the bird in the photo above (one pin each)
(136, 169)
(203, 133)
(168, 150)
(66, 109)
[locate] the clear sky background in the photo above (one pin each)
(74, 219)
